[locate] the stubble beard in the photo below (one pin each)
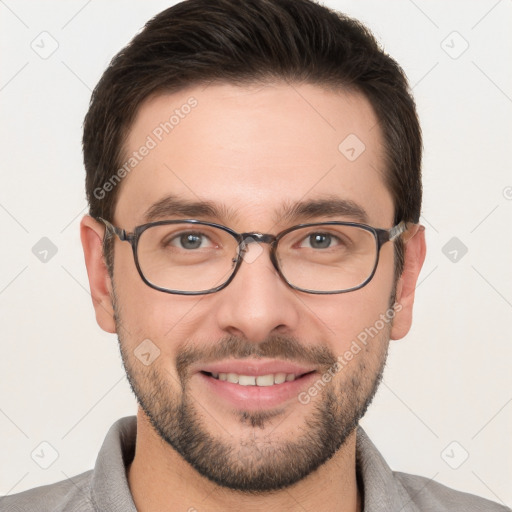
(260, 461)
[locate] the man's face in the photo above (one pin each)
(253, 152)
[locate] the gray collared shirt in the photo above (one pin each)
(105, 488)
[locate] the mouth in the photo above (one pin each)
(255, 384)
(270, 379)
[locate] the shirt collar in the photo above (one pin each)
(382, 491)
(110, 490)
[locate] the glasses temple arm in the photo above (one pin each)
(110, 229)
(405, 227)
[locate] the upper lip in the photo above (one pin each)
(255, 367)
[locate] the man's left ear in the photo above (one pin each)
(415, 251)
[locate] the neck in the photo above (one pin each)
(161, 480)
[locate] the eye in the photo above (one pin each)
(320, 241)
(190, 241)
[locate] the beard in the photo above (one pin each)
(260, 461)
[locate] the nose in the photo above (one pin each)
(257, 302)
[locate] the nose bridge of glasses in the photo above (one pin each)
(260, 238)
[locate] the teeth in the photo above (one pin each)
(246, 380)
(279, 378)
(232, 377)
(251, 380)
(265, 380)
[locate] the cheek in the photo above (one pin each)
(341, 321)
(145, 313)
(345, 317)
(141, 309)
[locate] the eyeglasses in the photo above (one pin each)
(192, 257)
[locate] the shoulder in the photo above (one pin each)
(71, 495)
(430, 496)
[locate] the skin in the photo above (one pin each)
(243, 147)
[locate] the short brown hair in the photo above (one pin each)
(250, 41)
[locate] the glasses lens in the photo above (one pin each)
(327, 258)
(186, 257)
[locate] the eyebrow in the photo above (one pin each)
(324, 207)
(172, 206)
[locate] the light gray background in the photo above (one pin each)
(62, 380)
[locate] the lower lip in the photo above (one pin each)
(257, 397)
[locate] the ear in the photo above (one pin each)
(415, 251)
(91, 234)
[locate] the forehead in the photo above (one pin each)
(252, 151)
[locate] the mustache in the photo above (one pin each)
(274, 347)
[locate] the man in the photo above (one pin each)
(253, 175)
